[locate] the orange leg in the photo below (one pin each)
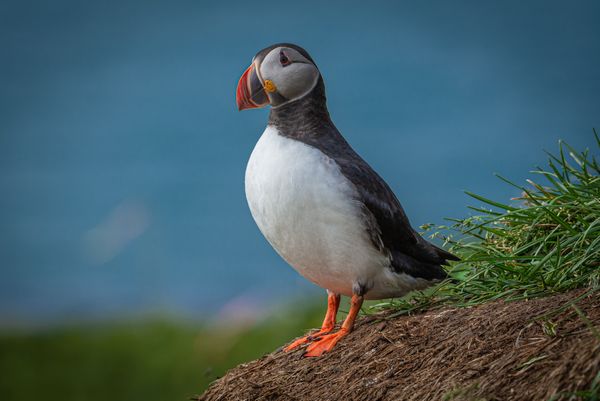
(333, 303)
(327, 342)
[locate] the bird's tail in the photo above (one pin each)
(445, 255)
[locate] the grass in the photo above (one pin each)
(547, 242)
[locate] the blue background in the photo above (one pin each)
(122, 153)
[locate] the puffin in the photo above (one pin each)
(323, 209)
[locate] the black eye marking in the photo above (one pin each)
(283, 59)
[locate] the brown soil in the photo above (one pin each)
(498, 351)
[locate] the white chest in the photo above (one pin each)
(306, 209)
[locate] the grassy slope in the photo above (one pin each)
(495, 351)
(547, 243)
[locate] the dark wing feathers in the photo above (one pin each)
(387, 223)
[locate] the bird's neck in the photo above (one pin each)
(307, 116)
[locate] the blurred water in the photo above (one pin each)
(122, 154)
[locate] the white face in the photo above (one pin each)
(292, 74)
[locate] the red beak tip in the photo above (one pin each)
(244, 95)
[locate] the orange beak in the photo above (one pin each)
(250, 93)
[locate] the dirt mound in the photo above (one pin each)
(498, 351)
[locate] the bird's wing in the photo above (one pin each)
(388, 225)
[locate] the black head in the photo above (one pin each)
(279, 75)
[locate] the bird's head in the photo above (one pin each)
(278, 74)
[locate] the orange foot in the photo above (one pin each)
(333, 303)
(325, 343)
(306, 339)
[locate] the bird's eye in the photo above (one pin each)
(283, 59)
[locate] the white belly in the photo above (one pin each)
(305, 208)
